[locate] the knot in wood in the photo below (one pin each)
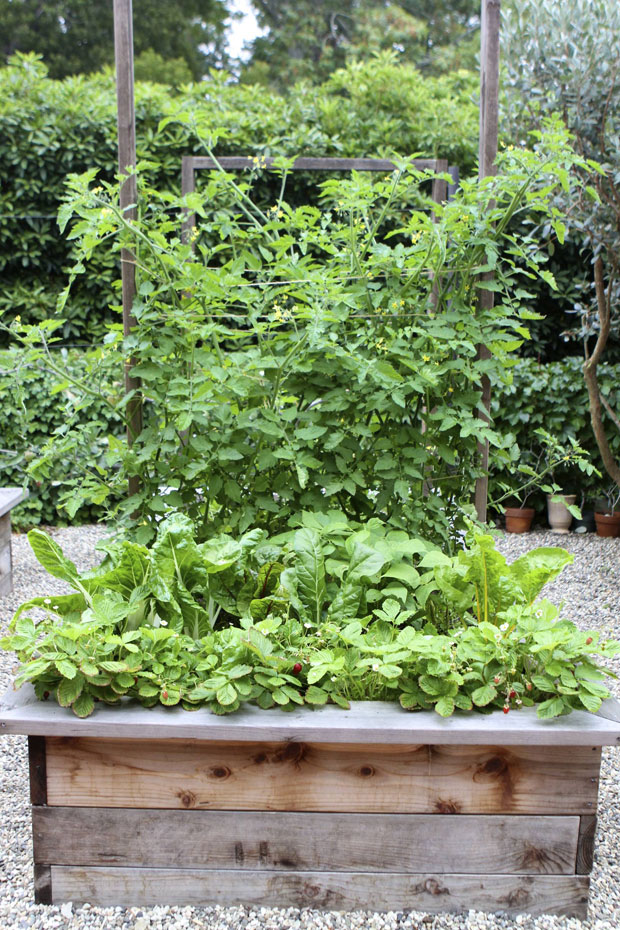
(220, 771)
(367, 771)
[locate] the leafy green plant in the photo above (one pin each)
(51, 128)
(38, 401)
(329, 612)
(551, 397)
(306, 358)
(539, 471)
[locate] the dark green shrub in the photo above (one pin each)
(552, 397)
(35, 406)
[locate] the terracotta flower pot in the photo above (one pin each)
(558, 514)
(519, 519)
(607, 524)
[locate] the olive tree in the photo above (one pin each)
(562, 57)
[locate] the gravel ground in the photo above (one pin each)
(590, 591)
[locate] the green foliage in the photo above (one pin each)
(310, 357)
(49, 129)
(329, 612)
(552, 397)
(564, 59)
(310, 39)
(77, 36)
(36, 404)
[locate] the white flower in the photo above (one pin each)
(375, 667)
(308, 626)
(163, 623)
(333, 678)
(538, 613)
(47, 600)
(504, 627)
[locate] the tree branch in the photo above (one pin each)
(603, 302)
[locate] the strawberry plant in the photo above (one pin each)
(330, 611)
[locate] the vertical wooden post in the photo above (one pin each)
(487, 153)
(123, 50)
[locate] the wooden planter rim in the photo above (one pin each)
(366, 722)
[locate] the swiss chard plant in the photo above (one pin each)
(330, 611)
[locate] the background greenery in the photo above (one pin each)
(49, 129)
(349, 102)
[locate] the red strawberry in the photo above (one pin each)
(528, 685)
(506, 708)
(588, 640)
(297, 668)
(164, 694)
(496, 679)
(512, 694)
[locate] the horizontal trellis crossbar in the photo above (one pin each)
(238, 163)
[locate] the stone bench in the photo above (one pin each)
(9, 498)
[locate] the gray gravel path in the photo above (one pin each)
(590, 591)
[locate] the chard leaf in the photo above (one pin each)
(51, 557)
(534, 569)
(131, 565)
(177, 559)
(310, 571)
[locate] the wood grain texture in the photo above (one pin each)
(5, 529)
(305, 842)
(490, 22)
(366, 722)
(536, 894)
(305, 163)
(42, 884)
(585, 844)
(37, 766)
(321, 777)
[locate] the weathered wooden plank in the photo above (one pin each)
(238, 162)
(536, 894)
(5, 529)
(42, 884)
(128, 199)
(6, 576)
(304, 841)
(9, 498)
(585, 844)
(321, 777)
(490, 22)
(38, 775)
(366, 722)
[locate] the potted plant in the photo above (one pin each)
(538, 466)
(606, 512)
(321, 806)
(585, 523)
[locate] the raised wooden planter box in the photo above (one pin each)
(374, 808)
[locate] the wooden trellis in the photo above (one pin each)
(190, 164)
(487, 152)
